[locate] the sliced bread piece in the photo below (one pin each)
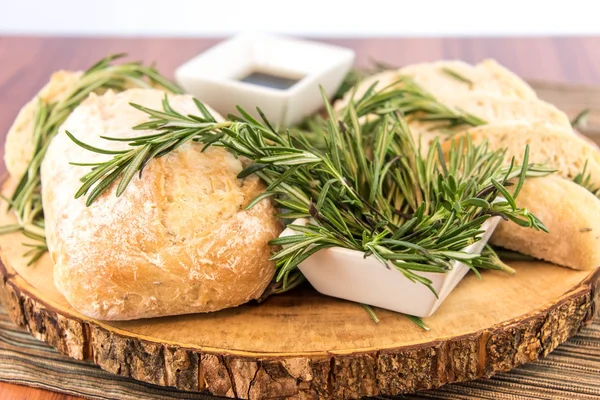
(440, 79)
(485, 77)
(572, 216)
(556, 148)
(497, 109)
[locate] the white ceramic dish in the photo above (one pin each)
(346, 274)
(215, 76)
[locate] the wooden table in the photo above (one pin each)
(26, 64)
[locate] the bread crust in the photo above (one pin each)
(496, 95)
(556, 148)
(177, 241)
(19, 140)
(572, 216)
(487, 77)
(497, 110)
(570, 212)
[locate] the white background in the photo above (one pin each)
(311, 18)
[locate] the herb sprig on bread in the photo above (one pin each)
(370, 189)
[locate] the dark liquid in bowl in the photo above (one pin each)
(270, 80)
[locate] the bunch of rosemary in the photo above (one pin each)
(26, 201)
(365, 186)
(404, 96)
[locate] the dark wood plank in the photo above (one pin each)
(28, 62)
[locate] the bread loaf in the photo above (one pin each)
(497, 110)
(557, 148)
(494, 94)
(572, 216)
(487, 78)
(570, 211)
(177, 241)
(19, 140)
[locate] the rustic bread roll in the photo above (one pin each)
(557, 148)
(572, 215)
(19, 141)
(177, 241)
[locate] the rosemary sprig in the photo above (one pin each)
(585, 179)
(350, 80)
(408, 97)
(457, 76)
(581, 119)
(26, 201)
(369, 190)
(371, 312)
(512, 255)
(404, 96)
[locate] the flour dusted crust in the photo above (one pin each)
(19, 140)
(177, 241)
(572, 215)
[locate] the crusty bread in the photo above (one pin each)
(19, 141)
(497, 109)
(177, 241)
(557, 148)
(487, 77)
(496, 95)
(571, 214)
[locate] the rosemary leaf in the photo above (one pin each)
(581, 119)
(419, 322)
(371, 313)
(585, 179)
(457, 76)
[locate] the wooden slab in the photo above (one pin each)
(304, 345)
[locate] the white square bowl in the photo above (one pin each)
(214, 76)
(348, 275)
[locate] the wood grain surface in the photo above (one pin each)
(28, 62)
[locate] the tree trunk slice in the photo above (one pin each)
(304, 345)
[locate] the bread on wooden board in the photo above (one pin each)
(556, 148)
(572, 215)
(19, 140)
(177, 241)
